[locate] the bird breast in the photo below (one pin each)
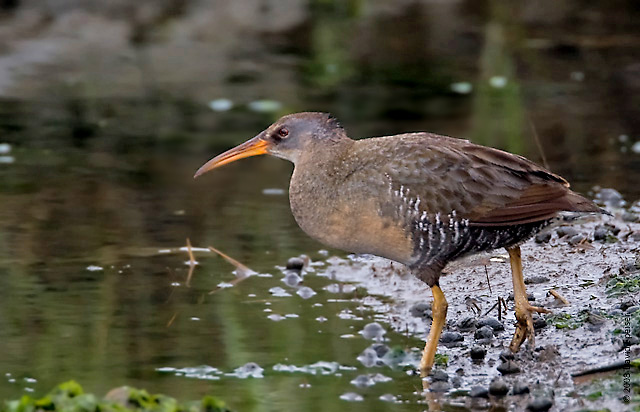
(345, 214)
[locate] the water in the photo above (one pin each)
(96, 182)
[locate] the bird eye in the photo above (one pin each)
(283, 132)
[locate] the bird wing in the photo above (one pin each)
(489, 187)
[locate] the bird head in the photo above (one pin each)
(287, 138)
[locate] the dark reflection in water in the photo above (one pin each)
(104, 136)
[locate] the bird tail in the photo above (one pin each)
(578, 203)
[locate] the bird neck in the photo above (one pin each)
(316, 179)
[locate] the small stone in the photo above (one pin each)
(530, 297)
(539, 322)
(535, 280)
(292, 279)
(576, 239)
(610, 197)
(451, 337)
(498, 388)
(600, 233)
(467, 323)
(508, 367)
(543, 237)
(634, 236)
(439, 386)
(493, 323)
(351, 397)
(421, 310)
(295, 263)
(485, 332)
(630, 217)
(632, 309)
(616, 312)
(305, 292)
(566, 231)
(368, 358)
(506, 355)
(479, 392)
(373, 330)
(520, 389)
(380, 348)
(542, 404)
(478, 352)
(439, 375)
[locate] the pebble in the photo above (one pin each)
(509, 367)
(439, 386)
(625, 304)
(530, 297)
(493, 323)
(610, 197)
(485, 332)
(520, 389)
(543, 237)
(373, 330)
(506, 355)
(632, 309)
(295, 263)
(291, 279)
(467, 323)
(305, 292)
(540, 405)
(535, 280)
(478, 352)
(479, 392)
(421, 310)
(451, 337)
(634, 236)
(380, 348)
(439, 375)
(630, 217)
(600, 233)
(566, 231)
(351, 397)
(498, 388)
(576, 239)
(616, 312)
(539, 322)
(368, 358)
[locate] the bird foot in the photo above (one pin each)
(524, 328)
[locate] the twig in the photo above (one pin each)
(192, 263)
(492, 307)
(606, 368)
(172, 319)
(486, 272)
(537, 140)
(558, 296)
(242, 271)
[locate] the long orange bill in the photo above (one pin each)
(253, 147)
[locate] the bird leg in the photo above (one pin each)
(524, 328)
(439, 311)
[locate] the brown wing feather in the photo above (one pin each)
(489, 187)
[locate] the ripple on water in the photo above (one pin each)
(279, 292)
(351, 397)
(318, 368)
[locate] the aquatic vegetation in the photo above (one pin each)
(620, 285)
(69, 396)
(566, 320)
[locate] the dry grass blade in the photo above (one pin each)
(558, 296)
(242, 271)
(192, 262)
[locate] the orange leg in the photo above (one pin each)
(524, 328)
(439, 309)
